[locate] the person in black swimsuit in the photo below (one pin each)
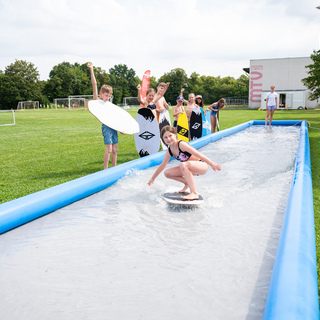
(192, 162)
(152, 97)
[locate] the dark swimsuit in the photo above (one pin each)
(183, 155)
(151, 106)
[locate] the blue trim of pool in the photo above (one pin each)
(293, 289)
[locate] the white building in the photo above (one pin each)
(286, 74)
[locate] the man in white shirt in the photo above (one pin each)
(271, 105)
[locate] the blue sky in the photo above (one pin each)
(210, 37)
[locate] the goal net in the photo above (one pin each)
(129, 102)
(7, 118)
(24, 105)
(74, 102)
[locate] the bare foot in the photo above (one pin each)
(191, 196)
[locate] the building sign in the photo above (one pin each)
(255, 83)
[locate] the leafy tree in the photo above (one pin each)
(195, 85)
(178, 79)
(153, 83)
(242, 89)
(312, 82)
(20, 82)
(66, 79)
(210, 88)
(123, 81)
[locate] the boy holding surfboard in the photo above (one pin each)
(161, 104)
(110, 135)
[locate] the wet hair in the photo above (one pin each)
(219, 103)
(167, 129)
(106, 89)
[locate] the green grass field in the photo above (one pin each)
(49, 147)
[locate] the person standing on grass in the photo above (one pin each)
(153, 97)
(177, 110)
(215, 108)
(190, 103)
(161, 104)
(110, 135)
(271, 104)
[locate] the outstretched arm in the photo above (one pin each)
(160, 168)
(160, 92)
(139, 94)
(186, 147)
(140, 100)
(94, 82)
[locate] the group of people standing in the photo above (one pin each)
(191, 103)
(192, 162)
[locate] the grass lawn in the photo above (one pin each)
(49, 147)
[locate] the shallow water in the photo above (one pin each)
(124, 253)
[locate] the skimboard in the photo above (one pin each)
(206, 129)
(175, 198)
(208, 118)
(164, 120)
(148, 138)
(113, 116)
(183, 127)
(196, 123)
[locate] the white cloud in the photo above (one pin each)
(209, 37)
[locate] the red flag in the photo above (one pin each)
(145, 84)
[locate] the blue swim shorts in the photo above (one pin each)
(272, 107)
(110, 136)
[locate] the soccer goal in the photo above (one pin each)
(74, 102)
(7, 118)
(129, 102)
(31, 105)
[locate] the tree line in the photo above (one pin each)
(20, 82)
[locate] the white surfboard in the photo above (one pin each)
(164, 120)
(176, 198)
(113, 116)
(148, 138)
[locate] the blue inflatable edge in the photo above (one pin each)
(293, 289)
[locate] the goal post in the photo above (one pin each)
(28, 105)
(7, 118)
(61, 103)
(74, 102)
(129, 102)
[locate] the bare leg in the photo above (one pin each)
(184, 174)
(175, 174)
(188, 169)
(213, 123)
(271, 116)
(106, 156)
(267, 116)
(114, 154)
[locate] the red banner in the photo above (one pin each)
(145, 84)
